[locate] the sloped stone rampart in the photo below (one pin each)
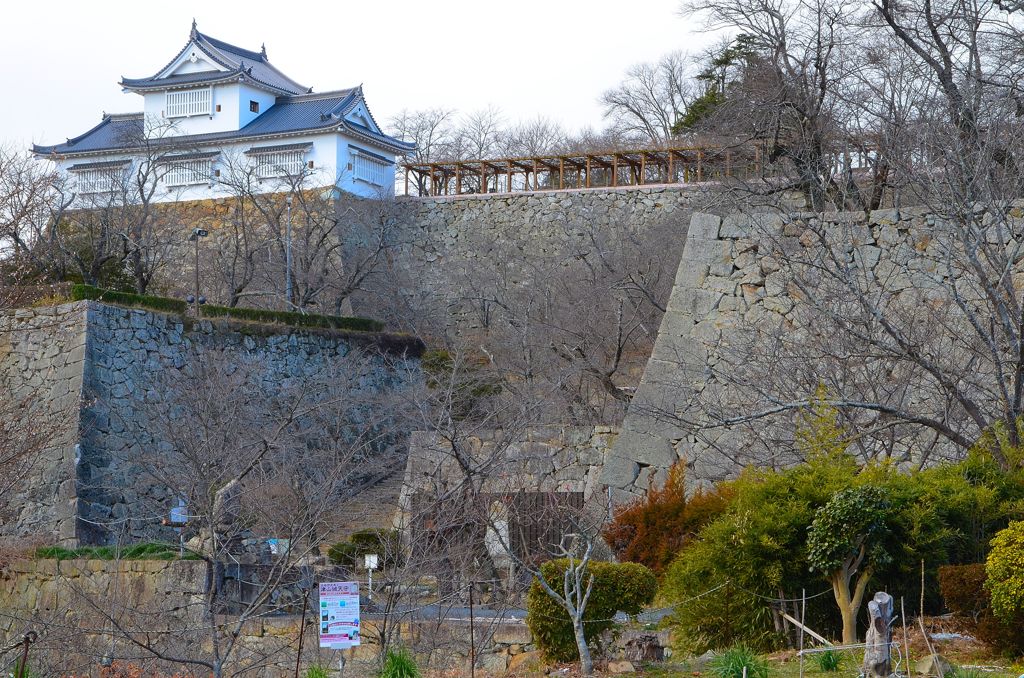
(728, 283)
(42, 357)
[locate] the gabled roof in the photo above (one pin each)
(291, 115)
(238, 64)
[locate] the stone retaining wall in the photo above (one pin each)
(732, 283)
(77, 605)
(94, 370)
(42, 358)
(448, 240)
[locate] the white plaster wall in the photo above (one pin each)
(329, 153)
(247, 94)
(228, 118)
(346, 175)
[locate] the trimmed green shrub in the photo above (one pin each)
(144, 551)
(618, 587)
(399, 664)
(730, 664)
(1005, 570)
(165, 304)
(385, 543)
(260, 315)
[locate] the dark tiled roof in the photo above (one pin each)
(191, 156)
(181, 80)
(279, 147)
(98, 165)
(290, 115)
(239, 62)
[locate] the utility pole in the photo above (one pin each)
(472, 636)
(197, 233)
(288, 257)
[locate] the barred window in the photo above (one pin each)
(187, 172)
(101, 180)
(279, 163)
(371, 169)
(183, 103)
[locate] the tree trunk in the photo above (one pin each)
(586, 663)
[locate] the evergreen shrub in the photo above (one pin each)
(387, 544)
(618, 587)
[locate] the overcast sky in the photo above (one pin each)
(60, 62)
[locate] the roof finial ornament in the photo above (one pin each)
(194, 30)
(263, 50)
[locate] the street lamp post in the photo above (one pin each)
(288, 258)
(197, 233)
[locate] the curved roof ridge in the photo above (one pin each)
(222, 46)
(314, 96)
(237, 60)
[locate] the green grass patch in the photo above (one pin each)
(144, 551)
(829, 660)
(399, 663)
(732, 662)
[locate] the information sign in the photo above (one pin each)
(339, 615)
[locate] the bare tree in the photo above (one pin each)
(257, 486)
(649, 102)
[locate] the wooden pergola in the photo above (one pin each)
(633, 167)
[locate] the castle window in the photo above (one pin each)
(102, 180)
(188, 172)
(183, 103)
(279, 161)
(254, 107)
(370, 168)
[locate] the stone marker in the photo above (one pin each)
(877, 662)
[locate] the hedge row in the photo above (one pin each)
(331, 322)
(84, 292)
(144, 551)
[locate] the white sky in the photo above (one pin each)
(60, 61)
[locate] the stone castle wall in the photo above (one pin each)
(42, 357)
(99, 374)
(71, 604)
(731, 282)
(447, 241)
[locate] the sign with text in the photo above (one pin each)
(339, 615)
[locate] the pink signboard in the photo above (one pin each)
(339, 615)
